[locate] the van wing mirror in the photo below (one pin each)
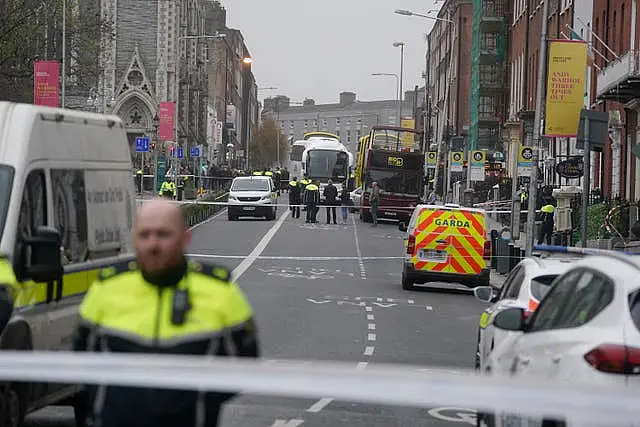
(41, 258)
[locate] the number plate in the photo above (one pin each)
(249, 208)
(433, 254)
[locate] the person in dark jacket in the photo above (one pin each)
(548, 221)
(311, 200)
(345, 202)
(330, 194)
(166, 305)
(295, 188)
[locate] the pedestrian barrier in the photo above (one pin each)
(377, 384)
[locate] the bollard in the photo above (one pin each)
(514, 256)
(502, 266)
(494, 248)
(523, 254)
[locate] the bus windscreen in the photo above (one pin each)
(395, 182)
(327, 164)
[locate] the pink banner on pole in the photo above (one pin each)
(167, 111)
(46, 83)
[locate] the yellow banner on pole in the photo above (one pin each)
(565, 87)
(407, 139)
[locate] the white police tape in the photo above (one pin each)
(287, 205)
(382, 384)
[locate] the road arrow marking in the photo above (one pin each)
(379, 304)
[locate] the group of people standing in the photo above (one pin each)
(307, 192)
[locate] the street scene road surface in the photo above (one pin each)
(332, 293)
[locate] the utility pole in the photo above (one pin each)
(537, 137)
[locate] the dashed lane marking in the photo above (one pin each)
(367, 308)
(372, 326)
(370, 317)
(371, 337)
(260, 247)
(363, 272)
(368, 350)
(287, 423)
(320, 404)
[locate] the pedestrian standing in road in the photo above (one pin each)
(163, 304)
(8, 289)
(294, 197)
(311, 200)
(330, 194)
(345, 202)
(374, 199)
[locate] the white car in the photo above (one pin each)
(586, 330)
(356, 198)
(524, 287)
(254, 196)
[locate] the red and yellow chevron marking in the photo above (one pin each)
(463, 233)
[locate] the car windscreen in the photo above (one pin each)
(540, 285)
(250, 185)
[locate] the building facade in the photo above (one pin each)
(350, 119)
(616, 89)
(449, 70)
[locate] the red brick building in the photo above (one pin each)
(616, 89)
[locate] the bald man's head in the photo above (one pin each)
(161, 236)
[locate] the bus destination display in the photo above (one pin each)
(395, 161)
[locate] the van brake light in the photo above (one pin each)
(615, 359)
(486, 254)
(411, 245)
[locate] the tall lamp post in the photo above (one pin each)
(404, 12)
(400, 93)
(399, 104)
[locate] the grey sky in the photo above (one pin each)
(347, 39)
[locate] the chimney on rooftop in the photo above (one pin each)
(347, 98)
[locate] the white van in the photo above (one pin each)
(67, 200)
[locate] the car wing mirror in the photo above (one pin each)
(510, 319)
(484, 293)
(40, 259)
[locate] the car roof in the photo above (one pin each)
(258, 177)
(547, 266)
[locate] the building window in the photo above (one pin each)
(358, 134)
(487, 133)
(487, 107)
(489, 74)
(337, 120)
(337, 133)
(291, 125)
(306, 124)
(489, 41)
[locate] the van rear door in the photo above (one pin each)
(431, 241)
(467, 238)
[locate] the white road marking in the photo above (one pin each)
(379, 299)
(317, 302)
(287, 423)
(363, 272)
(456, 415)
(370, 317)
(367, 308)
(371, 337)
(368, 350)
(320, 404)
(383, 305)
(372, 326)
(294, 258)
(260, 247)
(410, 301)
(362, 365)
(429, 308)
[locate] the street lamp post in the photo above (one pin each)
(398, 103)
(404, 12)
(400, 93)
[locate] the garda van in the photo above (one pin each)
(67, 202)
(446, 244)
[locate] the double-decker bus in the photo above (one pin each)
(385, 157)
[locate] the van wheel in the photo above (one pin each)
(407, 284)
(12, 407)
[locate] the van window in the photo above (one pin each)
(33, 208)
(70, 212)
(6, 181)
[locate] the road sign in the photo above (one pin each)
(180, 152)
(142, 144)
(194, 152)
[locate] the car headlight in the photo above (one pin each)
(267, 197)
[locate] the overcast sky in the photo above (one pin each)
(317, 49)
